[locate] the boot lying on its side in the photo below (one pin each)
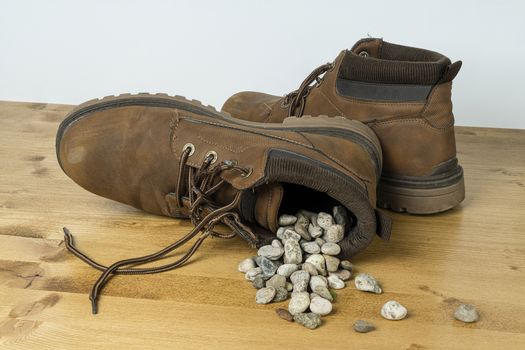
(174, 157)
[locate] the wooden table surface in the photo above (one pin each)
(474, 254)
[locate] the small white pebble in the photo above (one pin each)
(392, 310)
(246, 264)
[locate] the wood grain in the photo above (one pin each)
(475, 254)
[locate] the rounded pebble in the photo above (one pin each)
(289, 286)
(286, 220)
(308, 267)
(270, 252)
(309, 320)
(315, 231)
(392, 310)
(284, 314)
(287, 269)
(300, 280)
(252, 273)
(281, 294)
(332, 263)
(466, 313)
(319, 263)
(347, 265)
(323, 292)
(264, 295)
(325, 220)
(362, 326)
(292, 252)
(335, 282)
(277, 244)
(320, 306)
(301, 227)
(287, 234)
(311, 247)
(246, 264)
(334, 234)
(299, 302)
(340, 215)
(320, 241)
(367, 283)
(318, 281)
(258, 282)
(277, 281)
(268, 267)
(330, 248)
(345, 275)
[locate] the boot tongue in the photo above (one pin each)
(267, 204)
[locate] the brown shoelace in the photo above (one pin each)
(204, 215)
(296, 99)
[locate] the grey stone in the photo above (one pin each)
(332, 263)
(362, 326)
(284, 314)
(281, 294)
(325, 220)
(340, 215)
(292, 252)
(311, 247)
(287, 220)
(335, 282)
(347, 265)
(289, 286)
(258, 282)
(252, 273)
(277, 244)
(318, 281)
(320, 306)
(246, 264)
(330, 248)
(287, 269)
(277, 281)
(319, 263)
(315, 231)
(392, 310)
(301, 227)
(270, 252)
(269, 267)
(287, 234)
(310, 268)
(300, 280)
(367, 283)
(334, 234)
(309, 320)
(345, 275)
(265, 295)
(466, 313)
(323, 292)
(299, 302)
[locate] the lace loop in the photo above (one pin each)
(297, 99)
(204, 215)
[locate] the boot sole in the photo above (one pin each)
(421, 196)
(338, 126)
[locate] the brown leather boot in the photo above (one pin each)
(404, 95)
(175, 157)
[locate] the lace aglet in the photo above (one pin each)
(94, 306)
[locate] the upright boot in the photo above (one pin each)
(404, 95)
(174, 157)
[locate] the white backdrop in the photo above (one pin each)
(71, 51)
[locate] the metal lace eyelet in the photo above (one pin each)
(248, 173)
(211, 153)
(364, 53)
(191, 146)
